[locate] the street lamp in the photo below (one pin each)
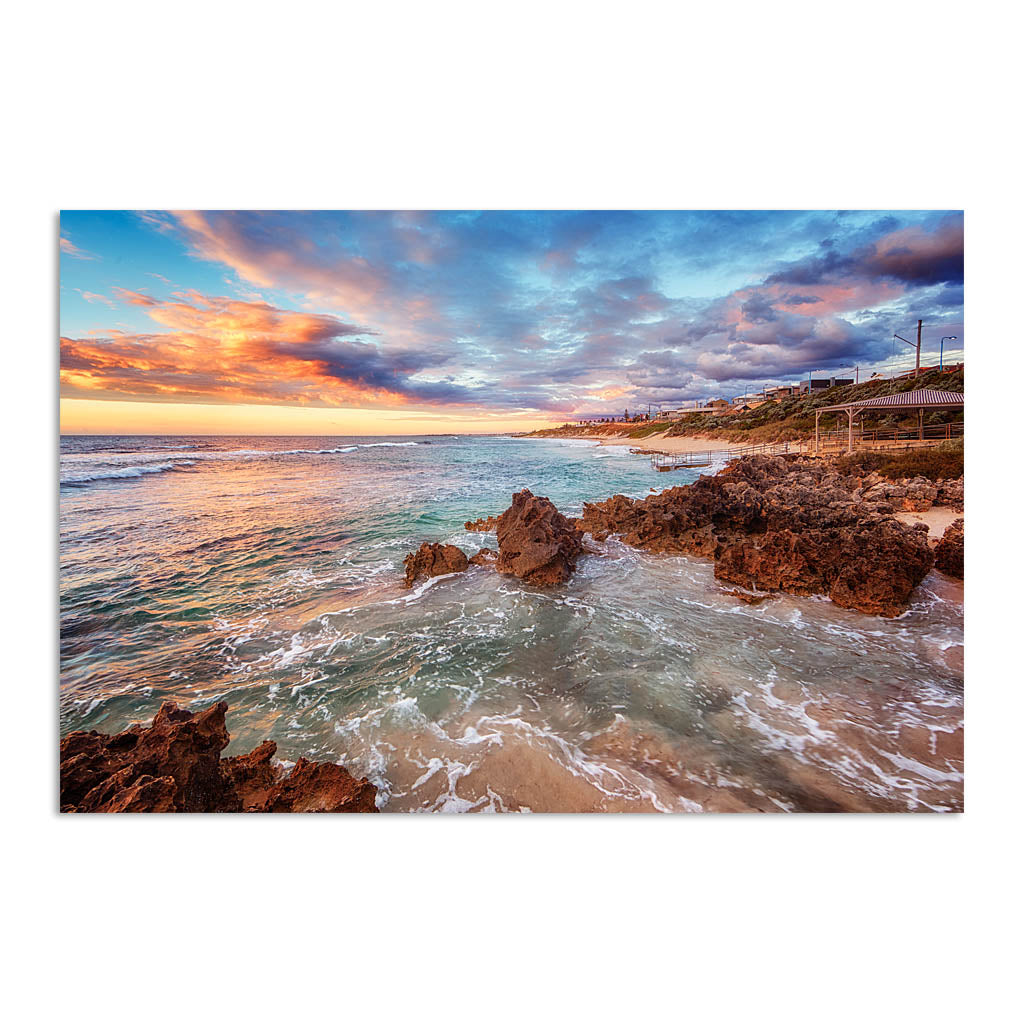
(951, 337)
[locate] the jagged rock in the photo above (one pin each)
(951, 493)
(434, 560)
(172, 765)
(781, 523)
(872, 567)
(485, 556)
(318, 786)
(175, 765)
(485, 524)
(949, 552)
(536, 542)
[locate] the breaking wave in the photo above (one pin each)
(124, 473)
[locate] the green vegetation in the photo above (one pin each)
(649, 428)
(786, 419)
(792, 419)
(941, 463)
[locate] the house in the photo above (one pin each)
(823, 383)
(743, 403)
(783, 391)
(718, 407)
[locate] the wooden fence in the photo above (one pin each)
(910, 437)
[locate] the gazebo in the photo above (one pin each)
(904, 401)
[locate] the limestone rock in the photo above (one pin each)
(536, 542)
(949, 552)
(434, 560)
(174, 765)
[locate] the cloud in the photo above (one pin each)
(225, 348)
(915, 255)
(134, 298)
(552, 311)
(93, 297)
(789, 346)
(918, 256)
(68, 248)
(757, 309)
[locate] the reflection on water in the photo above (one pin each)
(266, 572)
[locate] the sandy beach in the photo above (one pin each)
(936, 519)
(661, 443)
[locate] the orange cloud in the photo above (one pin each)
(70, 249)
(223, 349)
(284, 256)
(93, 297)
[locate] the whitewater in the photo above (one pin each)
(266, 572)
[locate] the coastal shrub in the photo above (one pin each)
(931, 463)
(790, 418)
(927, 462)
(649, 428)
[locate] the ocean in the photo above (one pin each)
(267, 571)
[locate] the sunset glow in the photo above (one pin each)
(369, 323)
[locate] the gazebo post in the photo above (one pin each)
(904, 402)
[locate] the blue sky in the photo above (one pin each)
(538, 315)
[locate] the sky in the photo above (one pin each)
(289, 322)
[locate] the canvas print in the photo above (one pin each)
(511, 511)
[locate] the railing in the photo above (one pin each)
(933, 434)
(690, 460)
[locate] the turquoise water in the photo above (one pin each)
(266, 572)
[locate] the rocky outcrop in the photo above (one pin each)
(780, 524)
(951, 493)
(785, 523)
(434, 560)
(485, 524)
(536, 542)
(174, 765)
(949, 552)
(872, 567)
(914, 495)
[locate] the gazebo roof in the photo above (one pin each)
(926, 398)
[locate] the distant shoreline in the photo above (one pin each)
(656, 442)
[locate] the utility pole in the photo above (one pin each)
(917, 364)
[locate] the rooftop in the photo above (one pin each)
(924, 399)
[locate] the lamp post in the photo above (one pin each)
(951, 337)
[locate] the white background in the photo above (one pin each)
(427, 105)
